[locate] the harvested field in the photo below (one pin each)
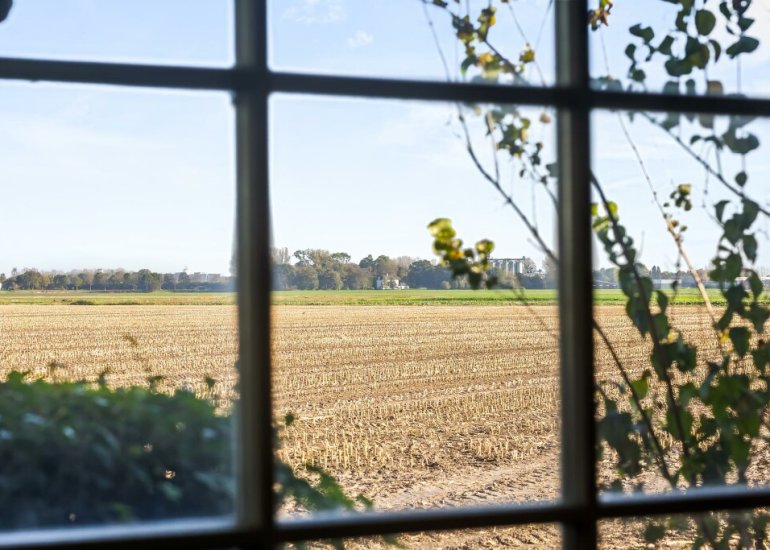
(436, 405)
(68, 342)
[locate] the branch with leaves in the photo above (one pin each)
(713, 408)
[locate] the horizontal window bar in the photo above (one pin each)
(322, 526)
(207, 533)
(564, 97)
(120, 74)
(700, 500)
(194, 533)
(728, 105)
(416, 89)
(238, 79)
(730, 497)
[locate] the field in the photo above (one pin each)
(685, 296)
(423, 405)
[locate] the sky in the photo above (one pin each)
(97, 176)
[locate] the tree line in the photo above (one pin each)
(119, 280)
(317, 269)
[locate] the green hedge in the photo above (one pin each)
(78, 453)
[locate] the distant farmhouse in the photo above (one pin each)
(389, 283)
(513, 266)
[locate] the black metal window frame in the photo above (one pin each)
(252, 82)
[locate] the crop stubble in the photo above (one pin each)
(415, 406)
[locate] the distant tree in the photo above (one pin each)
(302, 257)
(184, 280)
(305, 277)
(130, 281)
(367, 263)
(341, 257)
(169, 281)
(115, 280)
(283, 276)
(329, 280)
(356, 278)
(383, 266)
(423, 274)
(280, 255)
(30, 280)
(88, 278)
(148, 281)
(75, 281)
(100, 280)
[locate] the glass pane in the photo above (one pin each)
(118, 318)
(738, 529)
(405, 384)
(682, 47)
(537, 536)
(682, 385)
(492, 42)
(139, 31)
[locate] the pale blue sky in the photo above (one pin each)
(107, 177)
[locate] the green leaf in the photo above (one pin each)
(733, 230)
(660, 322)
(654, 531)
(720, 208)
(671, 87)
(717, 47)
(750, 247)
(741, 178)
(745, 44)
(740, 145)
(733, 266)
(665, 45)
(756, 284)
(740, 336)
(662, 300)
(637, 75)
(745, 22)
(645, 33)
(750, 212)
(630, 50)
(704, 22)
(758, 315)
(679, 67)
(761, 358)
(642, 385)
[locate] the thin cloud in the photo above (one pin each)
(316, 12)
(360, 39)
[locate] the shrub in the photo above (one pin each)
(79, 453)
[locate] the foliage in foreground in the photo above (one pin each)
(695, 417)
(80, 453)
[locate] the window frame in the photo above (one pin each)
(252, 83)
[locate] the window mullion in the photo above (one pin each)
(254, 433)
(575, 292)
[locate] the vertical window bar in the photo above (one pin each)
(254, 431)
(575, 280)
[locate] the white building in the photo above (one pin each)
(513, 266)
